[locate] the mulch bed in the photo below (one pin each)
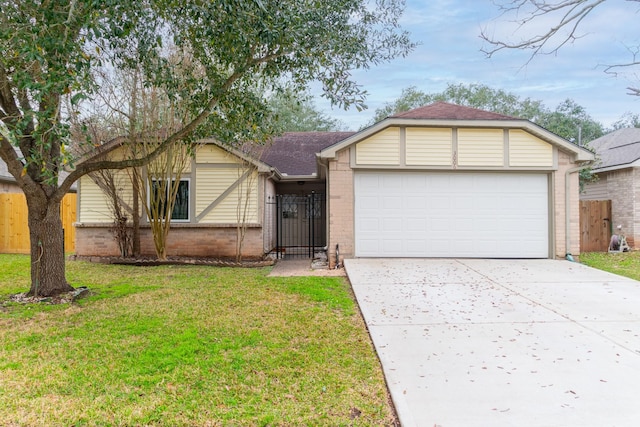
(149, 262)
(64, 298)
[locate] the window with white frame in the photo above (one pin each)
(181, 207)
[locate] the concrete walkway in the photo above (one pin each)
(301, 267)
(503, 342)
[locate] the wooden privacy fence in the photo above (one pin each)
(14, 227)
(595, 225)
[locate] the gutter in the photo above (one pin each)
(567, 204)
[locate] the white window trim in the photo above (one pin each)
(181, 221)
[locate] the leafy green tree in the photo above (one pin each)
(627, 120)
(572, 122)
(51, 50)
(298, 113)
(569, 120)
(472, 95)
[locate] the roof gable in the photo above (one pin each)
(442, 115)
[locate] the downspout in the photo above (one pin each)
(567, 204)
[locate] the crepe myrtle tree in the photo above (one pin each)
(50, 49)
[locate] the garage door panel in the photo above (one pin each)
(429, 214)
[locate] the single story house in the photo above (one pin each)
(618, 173)
(439, 181)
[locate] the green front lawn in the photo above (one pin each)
(625, 263)
(190, 346)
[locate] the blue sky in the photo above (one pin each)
(450, 52)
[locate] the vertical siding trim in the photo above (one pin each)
(505, 161)
(454, 147)
(403, 146)
(78, 192)
(552, 217)
(193, 189)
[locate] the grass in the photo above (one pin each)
(625, 263)
(187, 346)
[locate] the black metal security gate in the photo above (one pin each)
(300, 225)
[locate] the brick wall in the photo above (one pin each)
(341, 204)
(619, 186)
(565, 163)
(215, 242)
(622, 192)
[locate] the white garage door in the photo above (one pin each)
(467, 215)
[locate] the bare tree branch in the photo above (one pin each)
(574, 12)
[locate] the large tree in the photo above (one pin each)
(296, 112)
(50, 49)
(473, 95)
(545, 27)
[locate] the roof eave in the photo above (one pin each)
(611, 168)
(285, 178)
(581, 154)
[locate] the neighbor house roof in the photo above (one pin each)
(617, 150)
(443, 114)
(5, 175)
(294, 153)
(4, 171)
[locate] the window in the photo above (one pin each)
(181, 207)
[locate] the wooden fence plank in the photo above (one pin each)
(14, 226)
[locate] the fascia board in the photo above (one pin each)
(634, 164)
(286, 178)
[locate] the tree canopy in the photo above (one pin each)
(295, 112)
(569, 120)
(51, 50)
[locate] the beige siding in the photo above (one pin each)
(598, 190)
(383, 148)
(429, 147)
(211, 186)
(528, 150)
(211, 153)
(480, 147)
(94, 204)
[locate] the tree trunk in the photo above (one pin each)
(47, 248)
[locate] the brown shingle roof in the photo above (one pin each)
(445, 111)
(294, 153)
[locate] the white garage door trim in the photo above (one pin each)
(451, 214)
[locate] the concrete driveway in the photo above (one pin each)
(503, 342)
